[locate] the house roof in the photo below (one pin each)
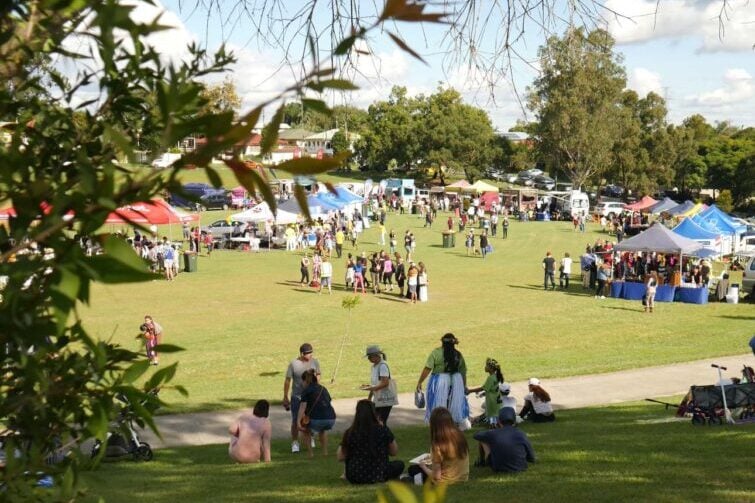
(295, 134)
(323, 135)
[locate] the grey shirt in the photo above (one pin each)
(295, 370)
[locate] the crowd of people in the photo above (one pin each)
(368, 444)
(601, 264)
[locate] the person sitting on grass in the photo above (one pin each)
(316, 407)
(449, 452)
(505, 449)
(537, 404)
(250, 435)
(366, 446)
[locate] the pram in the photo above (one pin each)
(123, 441)
(706, 404)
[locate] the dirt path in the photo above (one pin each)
(568, 393)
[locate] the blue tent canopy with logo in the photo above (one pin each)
(721, 220)
(689, 229)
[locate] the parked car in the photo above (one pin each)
(535, 171)
(609, 209)
(214, 201)
(221, 229)
(510, 177)
(525, 178)
(544, 182)
(612, 191)
(748, 278)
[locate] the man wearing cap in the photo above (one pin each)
(381, 391)
(506, 448)
(294, 373)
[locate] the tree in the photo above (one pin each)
(725, 201)
(392, 135)
(59, 172)
(454, 135)
(744, 186)
(574, 100)
(221, 97)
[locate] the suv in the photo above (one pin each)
(221, 229)
(609, 209)
(748, 278)
(545, 182)
(219, 200)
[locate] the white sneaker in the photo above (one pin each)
(602, 296)
(312, 442)
(294, 446)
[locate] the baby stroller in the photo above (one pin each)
(123, 441)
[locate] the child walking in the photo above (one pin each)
(492, 391)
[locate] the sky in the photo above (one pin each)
(679, 51)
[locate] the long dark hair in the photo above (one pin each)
(363, 428)
(451, 357)
(261, 408)
(540, 393)
(446, 440)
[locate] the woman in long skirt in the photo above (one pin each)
(448, 381)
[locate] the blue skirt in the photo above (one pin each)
(447, 390)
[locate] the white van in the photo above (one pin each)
(577, 203)
(165, 160)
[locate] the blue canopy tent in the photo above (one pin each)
(316, 206)
(706, 237)
(681, 208)
(715, 214)
(716, 220)
(665, 205)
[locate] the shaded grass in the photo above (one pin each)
(242, 317)
(617, 453)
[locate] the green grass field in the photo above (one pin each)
(632, 452)
(242, 317)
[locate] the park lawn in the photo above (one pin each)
(628, 452)
(242, 317)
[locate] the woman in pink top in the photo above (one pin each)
(250, 435)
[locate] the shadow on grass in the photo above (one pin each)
(527, 287)
(620, 453)
(617, 308)
(743, 318)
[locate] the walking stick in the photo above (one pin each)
(348, 303)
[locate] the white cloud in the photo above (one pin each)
(738, 87)
(649, 20)
(644, 81)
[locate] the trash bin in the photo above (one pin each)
(449, 239)
(733, 296)
(190, 262)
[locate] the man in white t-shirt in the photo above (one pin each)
(326, 274)
(564, 271)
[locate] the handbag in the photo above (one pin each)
(305, 419)
(388, 396)
(419, 399)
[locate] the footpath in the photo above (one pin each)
(205, 428)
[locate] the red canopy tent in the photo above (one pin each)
(643, 204)
(488, 198)
(154, 212)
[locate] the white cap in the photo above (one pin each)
(504, 387)
(534, 381)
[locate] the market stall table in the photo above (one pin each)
(633, 291)
(665, 293)
(692, 295)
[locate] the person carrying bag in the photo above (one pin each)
(383, 389)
